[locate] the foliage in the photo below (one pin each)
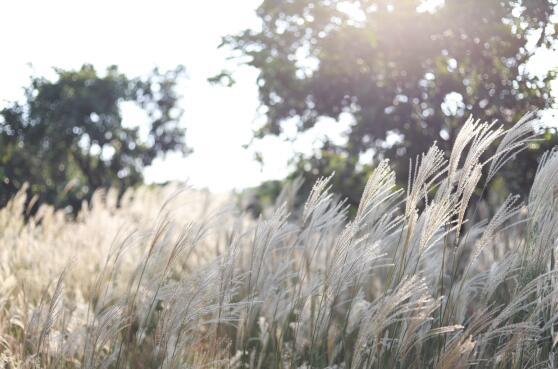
(329, 160)
(410, 282)
(67, 138)
(406, 71)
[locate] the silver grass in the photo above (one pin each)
(514, 141)
(427, 169)
(409, 282)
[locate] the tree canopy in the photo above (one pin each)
(67, 138)
(407, 71)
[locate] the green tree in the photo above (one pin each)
(67, 138)
(409, 70)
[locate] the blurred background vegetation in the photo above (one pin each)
(404, 73)
(67, 138)
(407, 73)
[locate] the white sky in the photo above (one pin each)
(138, 35)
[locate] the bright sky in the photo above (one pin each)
(138, 35)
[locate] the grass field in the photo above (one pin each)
(181, 279)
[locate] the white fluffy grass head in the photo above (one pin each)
(190, 282)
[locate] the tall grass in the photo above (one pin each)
(410, 282)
